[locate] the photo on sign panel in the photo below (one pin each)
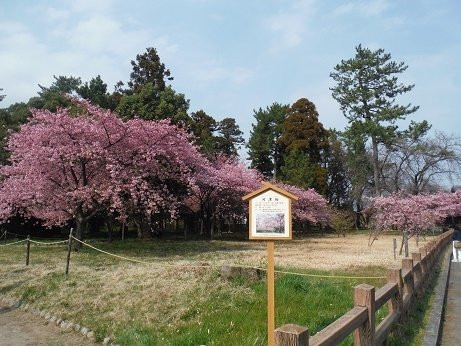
(270, 223)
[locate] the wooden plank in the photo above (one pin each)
(385, 327)
(385, 293)
(406, 275)
(341, 328)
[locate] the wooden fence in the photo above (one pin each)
(403, 287)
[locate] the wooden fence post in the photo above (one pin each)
(28, 250)
(395, 303)
(364, 295)
(291, 335)
(69, 248)
(418, 273)
(6, 233)
(408, 282)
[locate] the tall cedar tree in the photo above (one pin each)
(366, 88)
(303, 133)
(230, 139)
(148, 96)
(203, 126)
(148, 69)
(264, 150)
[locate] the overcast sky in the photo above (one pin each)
(230, 57)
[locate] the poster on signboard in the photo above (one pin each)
(270, 216)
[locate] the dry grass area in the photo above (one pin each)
(107, 294)
(328, 252)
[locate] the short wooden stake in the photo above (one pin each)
(364, 295)
(270, 293)
(28, 250)
(395, 247)
(292, 335)
(6, 232)
(69, 249)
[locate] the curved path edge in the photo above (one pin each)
(434, 327)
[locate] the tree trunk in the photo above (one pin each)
(142, 228)
(109, 228)
(80, 225)
(404, 243)
(374, 144)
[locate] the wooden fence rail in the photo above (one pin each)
(403, 287)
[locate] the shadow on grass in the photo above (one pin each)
(170, 248)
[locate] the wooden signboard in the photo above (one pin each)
(270, 219)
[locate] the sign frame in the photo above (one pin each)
(268, 187)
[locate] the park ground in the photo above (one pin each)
(178, 297)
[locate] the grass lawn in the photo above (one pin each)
(166, 303)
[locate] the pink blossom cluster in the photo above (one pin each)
(310, 206)
(66, 166)
(270, 222)
(415, 213)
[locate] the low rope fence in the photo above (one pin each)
(404, 286)
(235, 265)
(69, 241)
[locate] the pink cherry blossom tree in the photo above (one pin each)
(216, 194)
(414, 214)
(65, 167)
(311, 207)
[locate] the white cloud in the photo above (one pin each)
(363, 7)
(212, 71)
(290, 26)
(54, 14)
(91, 44)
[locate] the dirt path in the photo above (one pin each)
(22, 328)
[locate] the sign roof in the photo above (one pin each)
(268, 186)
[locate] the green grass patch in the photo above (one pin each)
(150, 305)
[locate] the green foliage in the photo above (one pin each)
(1, 96)
(302, 130)
(338, 178)
(147, 69)
(203, 126)
(264, 150)
(298, 170)
(366, 89)
(152, 103)
(230, 139)
(96, 91)
(304, 142)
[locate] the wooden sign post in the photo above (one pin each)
(270, 219)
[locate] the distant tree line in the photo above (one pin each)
(373, 156)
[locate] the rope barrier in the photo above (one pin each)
(3, 234)
(46, 243)
(239, 265)
(16, 242)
